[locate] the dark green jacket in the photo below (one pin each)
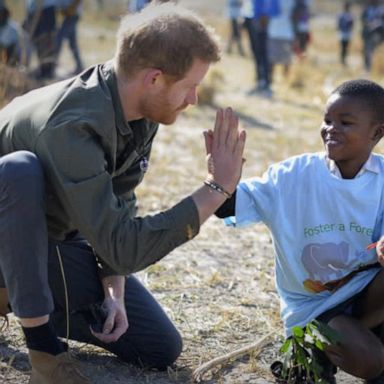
(93, 161)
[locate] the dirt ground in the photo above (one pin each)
(219, 288)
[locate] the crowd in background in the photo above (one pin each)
(46, 26)
(277, 31)
(41, 33)
(280, 29)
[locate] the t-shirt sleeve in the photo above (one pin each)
(256, 200)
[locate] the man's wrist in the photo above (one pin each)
(114, 287)
(217, 187)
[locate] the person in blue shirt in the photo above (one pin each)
(323, 210)
(345, 27)
(137, 5)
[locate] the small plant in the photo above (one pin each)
(302, 355)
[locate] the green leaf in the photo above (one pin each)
(319, 345)
(298, 332)
(286, 345)
(288, 359)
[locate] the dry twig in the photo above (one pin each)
(222, 360)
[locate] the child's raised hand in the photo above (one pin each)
(380, 251)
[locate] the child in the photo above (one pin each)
(323, 209)
(280, 38)
(300, 21)
(234, 12)
(345, 26)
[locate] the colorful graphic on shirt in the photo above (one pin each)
(326, 264)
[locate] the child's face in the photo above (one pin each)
(349, 132)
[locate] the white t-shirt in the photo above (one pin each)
(234, 8)
(320, 225)
(247, 9)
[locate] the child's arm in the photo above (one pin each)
(380, 251)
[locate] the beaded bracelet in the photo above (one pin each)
(218, 188)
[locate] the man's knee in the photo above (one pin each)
(164, 355)
(159, 352)
(21, 172)
(173, 346)
(18, 165)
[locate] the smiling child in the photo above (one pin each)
(322, 210)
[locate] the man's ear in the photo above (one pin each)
(152, 76)
(379, 132)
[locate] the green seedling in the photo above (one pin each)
(301, 353)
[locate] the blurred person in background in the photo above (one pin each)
(234, 13)
(372, 17)
(280, 38)
(137, 5)
(257, 14)
(40, 26)
(247, 13)
(9, 38)
(300, 19)
(71, 11)
(345, 24)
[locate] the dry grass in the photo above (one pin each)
(219, 288)
(13, 82)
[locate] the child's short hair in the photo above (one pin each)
(369, 92)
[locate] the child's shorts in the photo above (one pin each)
(347, 307)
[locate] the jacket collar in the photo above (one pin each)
(122, 126)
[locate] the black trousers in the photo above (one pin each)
(259, 45)
(31, 271)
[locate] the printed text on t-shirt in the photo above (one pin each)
(323, 228)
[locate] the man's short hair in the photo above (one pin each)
(369, 92)
(166, 37)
